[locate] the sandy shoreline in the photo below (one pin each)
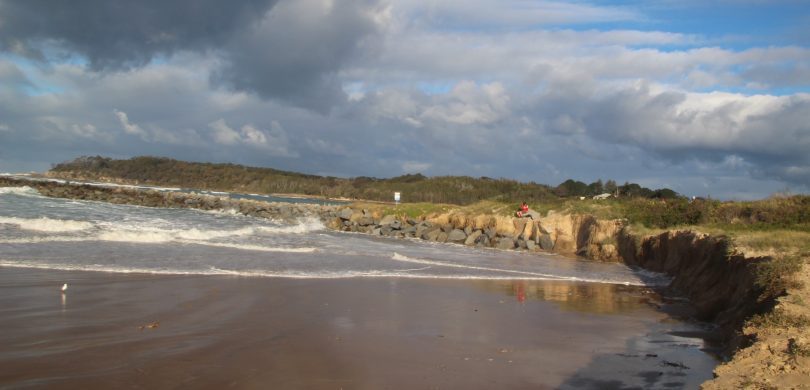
(218, 332)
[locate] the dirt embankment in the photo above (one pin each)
(766, 331)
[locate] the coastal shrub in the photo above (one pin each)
(779, 318)
(665, 213)
(774, 277)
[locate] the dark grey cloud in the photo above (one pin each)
(297, 49)
(291, 51)
(122, 34)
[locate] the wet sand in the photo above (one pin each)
(155, 332)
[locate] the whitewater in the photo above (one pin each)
(62, 234)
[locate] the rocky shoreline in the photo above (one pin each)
(526, 234)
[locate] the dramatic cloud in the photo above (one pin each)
(541, 91)
(122, 34)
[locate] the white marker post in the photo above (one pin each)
(396, 198)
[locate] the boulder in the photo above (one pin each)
(505, 243)
(430, 234)
(490, 232)
(456, 235)
(530, 245)
(472, 238)
(396, 225)
(365, 221)
(345, 214)
(441, 237)
(386, 220)
(545, 242)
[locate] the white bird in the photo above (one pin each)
(64, 288)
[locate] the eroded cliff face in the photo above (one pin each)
(719, 283)
(582, 235)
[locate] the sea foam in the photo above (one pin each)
(24, 190)
(45, 224)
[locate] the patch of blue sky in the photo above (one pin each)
(434, 88)
(36, 84)
(751, 90)
(735, 25)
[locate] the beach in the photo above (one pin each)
(113, 330)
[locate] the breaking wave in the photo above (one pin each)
(24, 190)
(45, 224)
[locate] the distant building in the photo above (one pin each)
(602, 196)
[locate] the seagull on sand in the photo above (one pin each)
(64, 288)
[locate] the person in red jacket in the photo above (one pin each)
(524, 208)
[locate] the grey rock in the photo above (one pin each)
(530, 245)
(468, 230)
(456, 235)
(441, 237)
(505, 243)
(472, 238)
(386, 220)
(396, 225)
(345, 214)
(430, 234)
(365, 221)
(490, 232)
(546, 243)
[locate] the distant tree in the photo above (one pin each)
(572, 188)
(665, 193)
(610, 186)
(596, 188)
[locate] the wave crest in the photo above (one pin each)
(45, 224)
(24, 190)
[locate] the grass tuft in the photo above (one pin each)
(775, 277)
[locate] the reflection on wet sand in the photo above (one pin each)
(598, 298)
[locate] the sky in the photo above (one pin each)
(708, 98)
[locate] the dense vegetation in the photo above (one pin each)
(776, 212)
(460, 190)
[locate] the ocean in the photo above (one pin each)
(51, 233)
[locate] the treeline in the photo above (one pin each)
(460, 190)
(578, 188)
